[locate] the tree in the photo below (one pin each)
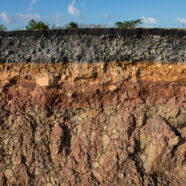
(129, 24)
(72, 25)
(2, 27)
(40, 25)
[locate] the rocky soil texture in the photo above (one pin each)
(93, 124)
(93, 45)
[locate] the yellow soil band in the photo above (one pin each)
(112, 71)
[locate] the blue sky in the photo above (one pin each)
(155, 13)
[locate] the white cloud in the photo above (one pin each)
(72, 10)
(181, 20)
(31, 8)
(18, 18)
(27, 17)
(5, 17)
(149, 20)
(107, 16)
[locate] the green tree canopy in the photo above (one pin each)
(2, 27)
(72, 25)
(129, 24)
(40, 25)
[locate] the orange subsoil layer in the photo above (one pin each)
(92, 85)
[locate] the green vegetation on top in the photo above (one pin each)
(40, 25)
(129, 24)
(72, 25)
(2, 27)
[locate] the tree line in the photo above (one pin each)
(40, 25)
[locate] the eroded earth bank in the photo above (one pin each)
(98, 107)
(116, 123)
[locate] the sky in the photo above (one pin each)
(154, 13)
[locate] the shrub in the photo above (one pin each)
(2, 27)
(33, 25)
(72, 25)
(129, 24)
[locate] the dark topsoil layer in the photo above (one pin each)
(99, 31)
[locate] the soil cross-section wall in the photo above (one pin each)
(119, 120)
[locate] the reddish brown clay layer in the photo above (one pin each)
(23, 96)
(92, 124)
